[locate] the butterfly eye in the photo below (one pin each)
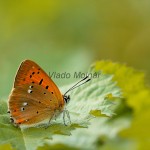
(67, 98)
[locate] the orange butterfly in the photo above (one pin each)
(35, 98)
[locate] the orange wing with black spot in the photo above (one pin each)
(34, 97)
(30, 72)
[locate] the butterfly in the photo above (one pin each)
(35, 99)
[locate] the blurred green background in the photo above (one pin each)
(68, 36)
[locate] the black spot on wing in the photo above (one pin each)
(41, 82)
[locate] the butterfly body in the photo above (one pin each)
(35, 97)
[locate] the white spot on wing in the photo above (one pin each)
(31, 86)
(25, 104)
(29, 91)
(22, 108)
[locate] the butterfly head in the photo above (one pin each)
(66, 98)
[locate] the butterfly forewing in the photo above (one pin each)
(30, 72)
(34, 97)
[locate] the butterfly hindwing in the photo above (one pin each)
(30, 104)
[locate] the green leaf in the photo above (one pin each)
(136, 103)
(91, 97)
(131, 81)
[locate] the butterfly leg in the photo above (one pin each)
(47, 125)
(68, 115)
(50, 120)
(55, 117)
(64, 118)
(66, 112)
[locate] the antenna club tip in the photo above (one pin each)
(85, 77)
(88, 80)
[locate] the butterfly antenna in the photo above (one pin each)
(86, 79)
